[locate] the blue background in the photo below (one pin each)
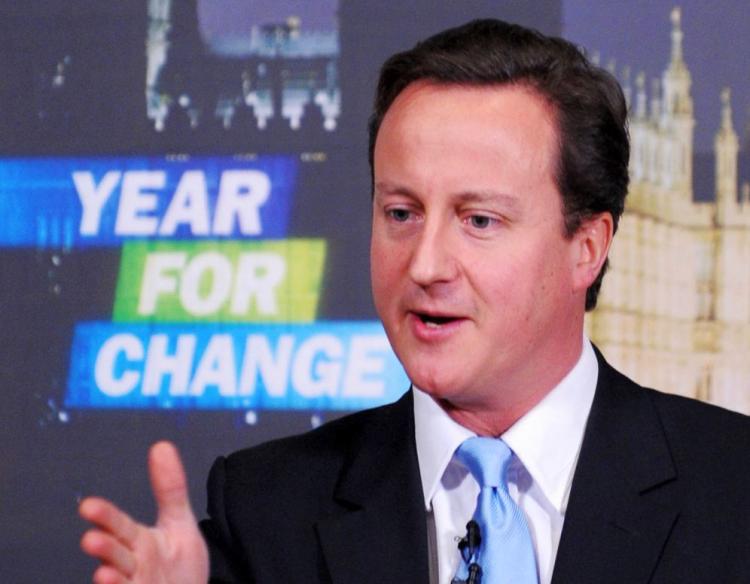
(42, 208)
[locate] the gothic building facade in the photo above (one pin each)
(674, 312)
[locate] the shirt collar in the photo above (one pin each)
(437, 436)
(546, 439)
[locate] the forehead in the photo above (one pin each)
(503, 133)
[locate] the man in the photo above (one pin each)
(499, 163)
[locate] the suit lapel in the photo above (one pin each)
(620, 510)
(381, 534)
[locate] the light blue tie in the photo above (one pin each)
(505, 553)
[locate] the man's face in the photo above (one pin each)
(472, 275)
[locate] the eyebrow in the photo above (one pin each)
(470, 196)
(390, 189)
(481, 196)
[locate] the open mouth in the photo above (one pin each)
(432, 320)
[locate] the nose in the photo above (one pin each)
(433, 258)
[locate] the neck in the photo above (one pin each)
(510, 402)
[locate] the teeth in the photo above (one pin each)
(434, 321)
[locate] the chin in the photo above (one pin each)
(437, 385)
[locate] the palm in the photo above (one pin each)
(170, 552)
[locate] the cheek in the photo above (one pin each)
(384, 274)
(377, 257)
(513, 287)
(503, 279)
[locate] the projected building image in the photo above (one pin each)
(675, 306)
(252, 66)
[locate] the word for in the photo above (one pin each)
(208, 281)
(224, 281)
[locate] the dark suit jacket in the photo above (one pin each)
(661, 494)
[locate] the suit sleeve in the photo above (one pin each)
(226, 561)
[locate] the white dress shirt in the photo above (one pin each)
(545, 441)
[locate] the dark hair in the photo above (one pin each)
(592, 170)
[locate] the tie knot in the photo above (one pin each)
(486, 458)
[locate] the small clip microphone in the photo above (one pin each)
(475, 574)
(468, 547)
(473, 535)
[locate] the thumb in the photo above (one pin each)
(169, 484)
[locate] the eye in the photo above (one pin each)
(480, 221)
(400, 215)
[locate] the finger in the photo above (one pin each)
(109, 550)
(108, 575)
(169, 484)
(109, 518)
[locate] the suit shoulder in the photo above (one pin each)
(685, 419)
(697, 416)
(702, 434)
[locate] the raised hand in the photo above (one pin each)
(170, 552)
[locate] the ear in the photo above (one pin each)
(592, 241)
